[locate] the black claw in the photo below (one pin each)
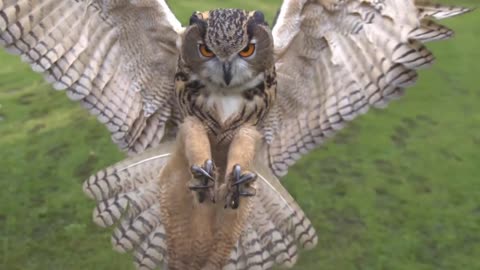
(233, 200)
(246, 178)
(247, 194)
(237, 170)
(206, 172)
(239, 180)
(209, 165)
(200, 187)
(205, 175)
(235, 203)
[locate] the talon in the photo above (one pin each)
(201, 172)
(232, 200)
(246, 178)
(248, 194)
(235, 203)
(204, 174)
(200, 187)
(237, 170)
(238, 187)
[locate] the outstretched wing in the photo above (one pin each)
(338, 58)
(117, 57)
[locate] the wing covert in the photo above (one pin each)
(116, 57)
(337, 58)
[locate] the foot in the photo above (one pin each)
(240, 186)
(204, 180)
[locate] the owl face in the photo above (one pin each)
(228, 48)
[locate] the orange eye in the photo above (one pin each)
(205, 51)
(248, 51)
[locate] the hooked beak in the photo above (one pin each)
(227, 73)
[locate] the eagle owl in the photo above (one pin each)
(211, 113)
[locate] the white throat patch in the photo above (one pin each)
(228, 105)
(229, 101)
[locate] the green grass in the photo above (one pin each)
(397, 189)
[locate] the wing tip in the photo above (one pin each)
(448, 11)
(464, 10)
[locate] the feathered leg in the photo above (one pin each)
(199, 235)
(240, 156)
(198, 153)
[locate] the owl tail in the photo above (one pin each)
(277, 228)
(127, 196)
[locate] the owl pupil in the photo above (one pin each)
(246, 49)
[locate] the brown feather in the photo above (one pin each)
(117, 58)
(336, 59)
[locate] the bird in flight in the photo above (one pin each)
(211, 113)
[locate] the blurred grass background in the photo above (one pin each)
(397, 189)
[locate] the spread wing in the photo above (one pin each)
(337, 58)
(116, 57)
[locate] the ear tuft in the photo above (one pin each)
(196, 18)
(259, 18)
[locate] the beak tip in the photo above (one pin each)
(227, 74)
(227, 80)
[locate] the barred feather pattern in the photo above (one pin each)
(128, 197)
(276, 231)
(116, 58)
(427, 8)
(127, 194)
(335, 59)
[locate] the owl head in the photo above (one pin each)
(228, 48)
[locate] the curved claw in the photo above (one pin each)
(247, 194)
(239, 180)
(199, 187)
(205, 171)
(235, 203)
(205, 174)
(245, 178)
(237, 170)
